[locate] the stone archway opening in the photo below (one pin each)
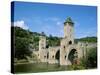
(73, 56)
(57, 56)
(47, 55)
(70, 42)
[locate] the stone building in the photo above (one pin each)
(67, 53)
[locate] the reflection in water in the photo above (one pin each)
(38, 67)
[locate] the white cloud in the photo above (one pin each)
(59, 23)
(21, 24)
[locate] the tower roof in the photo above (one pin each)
(69, 20)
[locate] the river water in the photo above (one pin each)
(38, 67)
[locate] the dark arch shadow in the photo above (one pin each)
(57, 56)
(47, 55)
(70, 42)
(72, 55)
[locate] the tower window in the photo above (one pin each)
(65, 57)
(44, 56)
(64, 47)
(47, 55)
(53, 56)
(47, 46)
(70, 42)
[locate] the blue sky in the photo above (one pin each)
(49, 18)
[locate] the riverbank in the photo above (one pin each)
(37, 67)
(44, 67)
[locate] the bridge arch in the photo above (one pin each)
(73, 55)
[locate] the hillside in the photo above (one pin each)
(87, 39)
(33, 38)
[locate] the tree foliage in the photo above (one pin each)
(21, 43)
(90, 61)
(19, 32)
(87, 39)
(53, 41)
(22, 48)
(92, 58)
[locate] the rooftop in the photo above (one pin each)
(69, 20)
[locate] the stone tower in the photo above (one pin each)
(42, 49)
(42, 43)
(67, 41)
(69, 30)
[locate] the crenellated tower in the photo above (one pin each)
(67, 41)
(42, 49)
(42, 43)
(69, 30)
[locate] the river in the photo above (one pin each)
(38, 67)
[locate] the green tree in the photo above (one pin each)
(22, 48)
(19, 32)
(87, 39)
(92, 58)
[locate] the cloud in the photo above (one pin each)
(58, 23)
(21, 24)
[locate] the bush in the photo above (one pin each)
(92, 58)
(90, 61)
(76, 67)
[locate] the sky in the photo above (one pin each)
(49, 18)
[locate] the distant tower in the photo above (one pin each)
(42, 49)
(69, 30)
(42, 43)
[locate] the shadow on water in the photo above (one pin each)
(38, 67)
